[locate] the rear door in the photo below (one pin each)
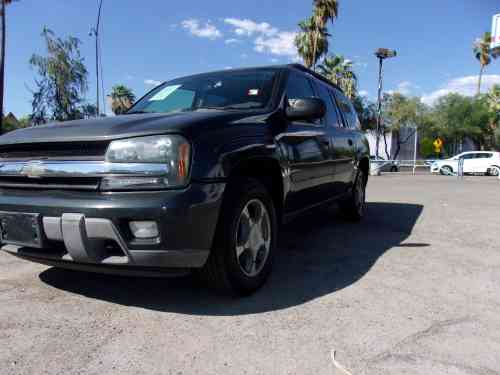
(482, 162)
(349, 137)
(307, 146)
(339, 139)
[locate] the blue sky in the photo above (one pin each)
(156, 40)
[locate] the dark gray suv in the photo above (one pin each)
(197, 176)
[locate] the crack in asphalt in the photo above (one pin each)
(434, 329)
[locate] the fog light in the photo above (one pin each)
(144, 229)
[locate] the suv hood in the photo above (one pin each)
(117, 127)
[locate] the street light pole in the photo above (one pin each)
(95, 32)
(382, 54)
(379, 101)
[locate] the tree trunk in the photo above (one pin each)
(479, 80)
(2, 64)
(315, 48)
(386, 147)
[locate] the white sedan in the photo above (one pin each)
(484, 162)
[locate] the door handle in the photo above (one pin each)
(350, 142)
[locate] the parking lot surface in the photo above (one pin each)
(414, 289)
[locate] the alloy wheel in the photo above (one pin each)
(253, 238)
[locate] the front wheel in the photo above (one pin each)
(354, 207)
(446, 171)
(245, 241)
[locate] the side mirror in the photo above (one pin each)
(305, 109)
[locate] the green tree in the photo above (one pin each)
(367, 112)
(427, 147)
(493, 99)
(323, 11)
(62, 80)
(25, 121)
(483, 54)
(401, 112)
(88, 111)
(340, 71)
(122, 99)
(3, 17)
(305, 42)
(456, 117)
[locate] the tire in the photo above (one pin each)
(242, 254)
(446, 170)
(394, 168)
(494, 171)
(354, 207)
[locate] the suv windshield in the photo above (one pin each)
(222, 90)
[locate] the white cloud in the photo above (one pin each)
(248, 27)
(274, 60)
(228, 67)
(403, 88)
(364, 93)
(281, 44)
(268, 39)
(465, 86)
(232, 41)
(152, 82)
(206, 30)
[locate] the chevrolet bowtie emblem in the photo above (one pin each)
(33, 169)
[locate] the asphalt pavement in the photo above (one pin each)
(414, 289)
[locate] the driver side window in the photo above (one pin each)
(299, 87)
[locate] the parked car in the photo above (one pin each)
(474, 162)
(198, 175)
(383, 165)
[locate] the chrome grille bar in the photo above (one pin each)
(63, 169)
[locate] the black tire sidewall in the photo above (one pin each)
(239, 193)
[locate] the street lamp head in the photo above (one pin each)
(384, 53)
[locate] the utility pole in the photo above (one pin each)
(2, 65)
(382, 54)
(95, 32)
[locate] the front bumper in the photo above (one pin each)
(91, 229)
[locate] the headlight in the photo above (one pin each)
(172, 151)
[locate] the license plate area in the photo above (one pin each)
(23, 229)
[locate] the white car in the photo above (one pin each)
(484, 162)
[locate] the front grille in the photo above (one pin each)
(55, 150)
(54, 183)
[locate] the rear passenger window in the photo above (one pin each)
(331, 117)
(347, 109)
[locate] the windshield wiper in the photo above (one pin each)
(137, 112)
(230, 107)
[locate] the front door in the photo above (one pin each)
(308, 149)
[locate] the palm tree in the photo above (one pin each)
(483, 53)
(2, 57)
(305, 39)
(122, 99)
(340, 71)
(324, 11)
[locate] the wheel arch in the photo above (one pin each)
(266, 170)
